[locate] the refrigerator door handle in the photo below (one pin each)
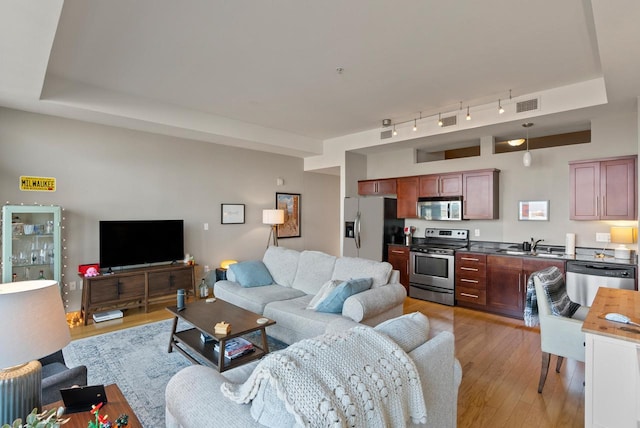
(356, 226)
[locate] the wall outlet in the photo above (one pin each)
(476, 232)
(72, 285)
(206, 226)
(603, 237)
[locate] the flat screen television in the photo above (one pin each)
(140, 242)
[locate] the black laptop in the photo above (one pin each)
(81, 398)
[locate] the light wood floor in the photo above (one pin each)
(500, 360)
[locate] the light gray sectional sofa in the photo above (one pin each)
(298, 276)
(194, 399)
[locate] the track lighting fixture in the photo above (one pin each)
(526, 159)
(441, 123)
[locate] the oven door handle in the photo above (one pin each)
(356, 226)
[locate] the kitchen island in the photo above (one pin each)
(612, 361)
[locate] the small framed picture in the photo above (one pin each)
(290, 203)
(533, 210)
(232, 214)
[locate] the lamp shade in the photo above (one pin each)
(226, 263)
(622, 235)
(273, 217)
(34, 321)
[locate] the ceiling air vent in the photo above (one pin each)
(527, 105)
(449, 121)
(385, 134)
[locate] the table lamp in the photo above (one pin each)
(34, 326)
(622, 235)
(273, 218)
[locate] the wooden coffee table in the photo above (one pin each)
(203, 316)
(116, 405)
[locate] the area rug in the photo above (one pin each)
(136, 359)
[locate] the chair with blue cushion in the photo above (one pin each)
(56, 375)
(559, 335)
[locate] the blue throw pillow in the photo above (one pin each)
(335, 300)
(252, 273)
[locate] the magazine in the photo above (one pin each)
(235, 347)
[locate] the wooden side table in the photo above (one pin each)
(115, 406)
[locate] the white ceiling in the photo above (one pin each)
(263, 74)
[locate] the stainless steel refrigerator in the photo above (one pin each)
(370, 224)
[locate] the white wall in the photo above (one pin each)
(546, 179)
(106, 173)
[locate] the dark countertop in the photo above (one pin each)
(582, 254)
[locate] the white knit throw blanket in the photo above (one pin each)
(355, 378)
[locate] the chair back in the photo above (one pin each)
(558, 335)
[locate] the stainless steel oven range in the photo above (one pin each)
(431, 275)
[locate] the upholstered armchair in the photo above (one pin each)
(56, 375)
(560, 336)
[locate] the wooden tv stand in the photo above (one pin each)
(134, 288)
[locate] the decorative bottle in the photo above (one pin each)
(204, 290)
(41, 275)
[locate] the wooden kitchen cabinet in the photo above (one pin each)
(407, 191)
(440, 185)
(471, 284)
(505, 285)
(507, 278)
(531, 265)
(398, 256)
(603, 189)
(377, 187)
(480, 194)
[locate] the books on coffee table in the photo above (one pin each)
(235, 347)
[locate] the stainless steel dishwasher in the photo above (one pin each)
(584, 278)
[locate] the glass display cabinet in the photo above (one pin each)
(31, 243)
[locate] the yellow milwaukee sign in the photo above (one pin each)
(37, 184)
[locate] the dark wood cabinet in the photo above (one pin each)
(398, 256)
(440, 185)
(134, 288)
(531, 265)
(507, 278)
(480, 192)
(407, 190)
(169, 282)
(603, 189)
(505, 285)
(377, 187)
(471, 280)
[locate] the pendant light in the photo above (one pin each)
(526, 159)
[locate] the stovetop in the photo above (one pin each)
(442, 241)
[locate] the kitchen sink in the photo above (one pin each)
(512, 252)
(515, 252)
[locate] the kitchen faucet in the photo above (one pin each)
(535, 244)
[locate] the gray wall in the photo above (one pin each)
(107, 173)
(614, 134)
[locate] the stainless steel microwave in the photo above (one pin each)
(440, 208)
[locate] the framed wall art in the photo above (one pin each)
(232, 214)
(533, 210)
(290, 203)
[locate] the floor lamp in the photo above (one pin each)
(273, 218)
(34, 326)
